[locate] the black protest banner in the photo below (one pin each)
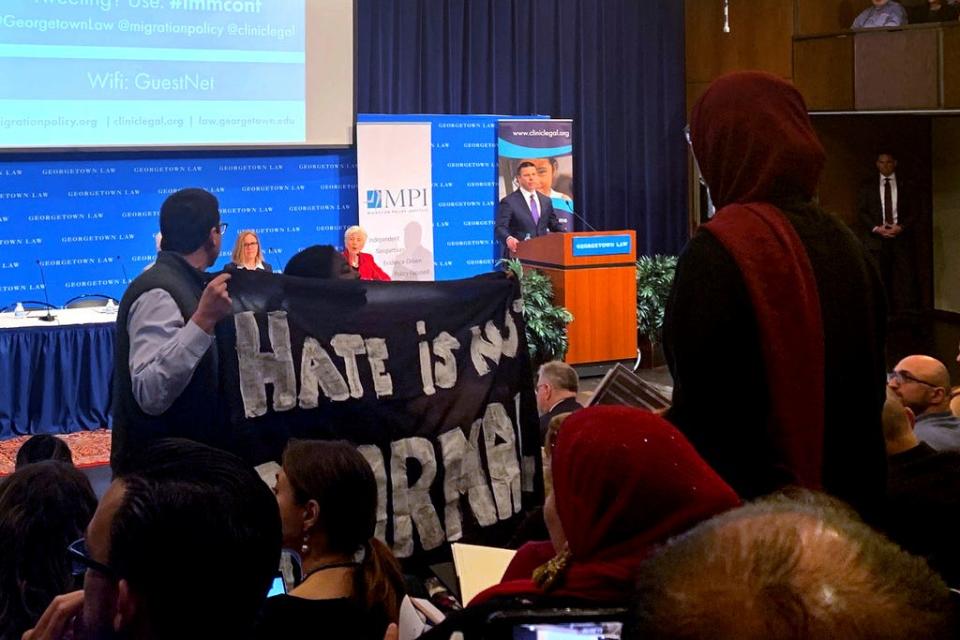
(431, 381)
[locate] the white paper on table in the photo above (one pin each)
(479, 567)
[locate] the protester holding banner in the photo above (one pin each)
(166, 376)
(247, 253)
(354, 239)
(525, 213)
(352, 586)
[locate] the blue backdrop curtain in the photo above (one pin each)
(614, 66)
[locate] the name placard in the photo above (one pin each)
(586, 246)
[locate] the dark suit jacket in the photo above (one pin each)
(514, 219)
(923, 509)
(564, 406)
(870, 210)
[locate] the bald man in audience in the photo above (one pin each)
(801, 569)
(923, 385)
(923, 491)
(557, 387)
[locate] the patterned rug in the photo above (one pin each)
(89, 448)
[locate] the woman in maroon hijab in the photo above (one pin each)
(774, 329)
(624, 481)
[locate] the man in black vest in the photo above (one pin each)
(166, 377)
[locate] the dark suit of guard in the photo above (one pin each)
(895, 256)
(514, 218)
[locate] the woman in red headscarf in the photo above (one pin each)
(624, 481)
(774, 329)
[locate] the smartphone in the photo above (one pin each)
(557, 624)
(568, 631)
(278, 587)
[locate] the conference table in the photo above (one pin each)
(58, 373)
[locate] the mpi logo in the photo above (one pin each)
(396, 198)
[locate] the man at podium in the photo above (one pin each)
(525, 213)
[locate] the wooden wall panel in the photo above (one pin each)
(951, 67)
(823, 72)
(760, 38)
(851, 143)
(897, 69)
(826, 16)
(946, 213)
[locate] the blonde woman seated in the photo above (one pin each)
(354, 240)
(247, 254)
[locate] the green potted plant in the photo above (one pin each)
(546, 323)
(654, 279)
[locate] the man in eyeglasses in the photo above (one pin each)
(165, 370)
(184, 544)
(923, 493)
(923, 385)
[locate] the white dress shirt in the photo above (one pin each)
(164, 351)
(893, 190)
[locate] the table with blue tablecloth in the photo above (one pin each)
(56, 375)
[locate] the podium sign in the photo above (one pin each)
(594, 276)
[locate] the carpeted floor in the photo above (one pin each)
(89, 448)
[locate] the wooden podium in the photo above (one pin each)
(594, 276)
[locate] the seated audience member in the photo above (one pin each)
(533, 527)
(183, 546)
(935, 11)
(923, 384)
(778, 295)
(354, 239)
(44, 506)
(352, 586)
(806, 570)
(557, 386)
(320, 261)
(624, 480)
(883, 13)
(247, 253)
(955, 401)
(43, 447)
(923, 493)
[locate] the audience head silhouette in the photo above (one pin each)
(320, 261)
(761, 121)
(190, 223)
(805, 568)
(328, 504)
(44, 506)
(43, 447)
(923, 384)
(184, 544)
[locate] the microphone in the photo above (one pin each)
(123, 269)
(583, 220)
(49, 317)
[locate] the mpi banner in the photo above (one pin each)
(431, 381)
(548, 144)
(395, 187)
